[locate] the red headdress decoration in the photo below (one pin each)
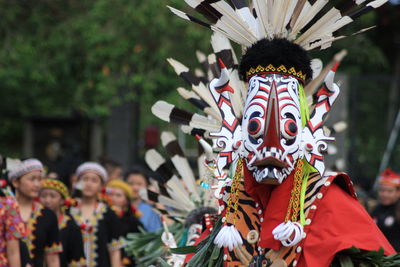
(389, 177)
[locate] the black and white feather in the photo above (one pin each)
(169, 113)
(301, 21)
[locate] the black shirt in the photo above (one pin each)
(72, 242)
(385, 218)
(43, 234)
(129, 224)
(100, 235)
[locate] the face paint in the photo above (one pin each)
(271, 127)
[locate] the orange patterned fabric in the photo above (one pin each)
(12, 226)
(248, 224)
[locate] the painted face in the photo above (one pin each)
(271, 127)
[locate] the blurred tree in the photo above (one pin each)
(64, 57)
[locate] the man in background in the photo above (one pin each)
(113, 168)
(137, 179)
(384, 213)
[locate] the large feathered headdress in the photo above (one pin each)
(302, 22)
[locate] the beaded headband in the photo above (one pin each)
(279, 70)
(56, 185)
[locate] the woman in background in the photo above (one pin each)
(12, 231)
(55, 196)
(121, 195)
(41, 223)
(98, 222)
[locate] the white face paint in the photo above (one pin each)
(271, 127)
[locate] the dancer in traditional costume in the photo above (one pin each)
(258, 114)
(55, 196)
(99, 224)
(13, 231)
(41, 223)
(121, 196)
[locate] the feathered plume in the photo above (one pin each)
(300, 21)
(180, 162)
(169, 113)
(197, 86)
(172, 183)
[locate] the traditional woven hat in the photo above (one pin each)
(94, 167)
(24, 167)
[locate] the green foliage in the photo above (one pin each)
(208, 254)
(65, 57)
(183, 250)
(163, 263)
(356, 257)
(147, 248)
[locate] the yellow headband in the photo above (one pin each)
(121, 185)
(56, 185)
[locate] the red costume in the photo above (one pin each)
(337, 222)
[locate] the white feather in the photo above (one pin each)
(201, 57)
(162, 110)
(310, 12)
(377, 3)
(299, 8)
(184, 16)
(289, 13)
(198, 73)
(220, 42)
(247, 17)
(190, 94)
(261, 8)
(188, 129)
(277, 16)
(340, 126)
(205, 94)
(316, 66)
(233, 19)
(182, 166)
(154, 160)
(163, 200)
(229, 22)
(200, 89)
(178, 13)
(320, 26)
(178, 66)
(178, 193)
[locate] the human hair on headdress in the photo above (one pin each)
(276, 53)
